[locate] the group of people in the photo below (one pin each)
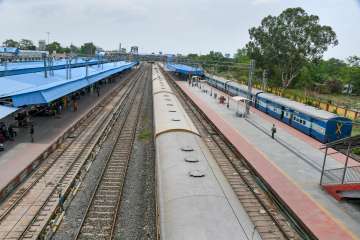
(6, 133)
(23, 118)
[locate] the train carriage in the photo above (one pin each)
(319, 124)
(193, 196)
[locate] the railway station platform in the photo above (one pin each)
(21, 155)
(290, 164)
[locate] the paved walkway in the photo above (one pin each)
(297, 157)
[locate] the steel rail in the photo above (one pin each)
(21, 192)
(110, 116)
(121, 126)
(95, 118)
(237, 161)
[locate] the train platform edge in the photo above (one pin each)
(318, 221)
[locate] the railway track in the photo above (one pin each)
(27, 212)
(264, 213)
(100, 219)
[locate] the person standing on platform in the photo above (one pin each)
(98, 90)
(32, 133)
(273, 131)
(11, 133)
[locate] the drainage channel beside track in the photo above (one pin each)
(26, 213)
(268, 218)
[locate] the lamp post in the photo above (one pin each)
(251, 75)
(228, 101)
(48, 37)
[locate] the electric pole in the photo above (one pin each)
(265, 76)
(251, 75)
(48, 37)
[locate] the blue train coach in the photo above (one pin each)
(319, 124)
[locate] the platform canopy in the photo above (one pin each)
(16, 68)
(34, 88)
(184, 69)
(5, 110)
(343, 145)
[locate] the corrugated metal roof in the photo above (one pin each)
(34, 88)
(181, 68)
(5, 110)
(9, 50)
(16, 68)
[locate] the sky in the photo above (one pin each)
(170, 26)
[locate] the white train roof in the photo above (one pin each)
(169, 114)
(233, 83)
(299, 107)
(196, 207)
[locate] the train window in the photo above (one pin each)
(304, 122)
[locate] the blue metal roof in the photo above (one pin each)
(16, 68)
(5, 110)
(34, 88)
(9, 50)
(184, 69)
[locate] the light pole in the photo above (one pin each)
(48, 37)
(251, 75)
(265, 74)
(228, 94)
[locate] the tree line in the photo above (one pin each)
(290, 47)
(26, 44)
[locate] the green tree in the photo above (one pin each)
(354, 73)
(26, 44)
(88, 49)
(285, 43)
(241, 56)
(54, 47)
(74, 49)
(354, 61)
(11, 43)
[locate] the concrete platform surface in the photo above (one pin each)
(290, 164)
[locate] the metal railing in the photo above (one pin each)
(335, 176)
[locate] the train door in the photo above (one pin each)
(282, 112)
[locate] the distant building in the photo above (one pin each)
(42, 45)
(227, 55)
(134, 50)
